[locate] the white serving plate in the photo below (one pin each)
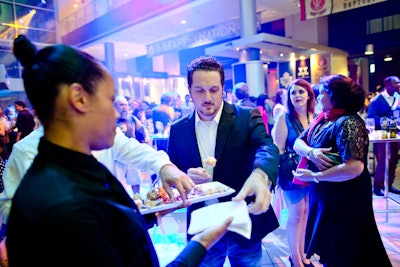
(211, 190)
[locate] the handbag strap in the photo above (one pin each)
(299, 129)
(296, 124)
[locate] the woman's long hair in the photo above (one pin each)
(310, 102)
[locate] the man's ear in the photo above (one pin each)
(78, 98)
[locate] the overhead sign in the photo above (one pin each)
(310, 9)
(207, 35)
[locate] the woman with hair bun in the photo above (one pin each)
(69, 210)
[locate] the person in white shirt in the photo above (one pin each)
(125, 150)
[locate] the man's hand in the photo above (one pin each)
(211, 235)
(171, 175)
(199, 175)
(256, 185)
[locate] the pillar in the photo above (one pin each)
(250, 68)
(109, 56)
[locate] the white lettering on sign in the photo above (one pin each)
(205, 36)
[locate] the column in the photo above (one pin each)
(109, 56)
(250, 68)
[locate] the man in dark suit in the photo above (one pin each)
(247, 159)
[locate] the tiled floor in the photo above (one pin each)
(169, 238)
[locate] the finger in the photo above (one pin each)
(182, 193)
(188, 184)
(227, 223)
(297, 173)
(243, 193)
(198, 172)
(169, 191)
(200, 180)
(260, 205)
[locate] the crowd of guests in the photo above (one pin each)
(79, 213)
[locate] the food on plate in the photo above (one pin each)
(210, 161)
(138, 200)
(139, 203)
(158, 196)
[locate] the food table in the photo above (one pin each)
(375, 137)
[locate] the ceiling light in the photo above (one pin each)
(281, 54)
(183, 21)
(369, 49)
(388, 58)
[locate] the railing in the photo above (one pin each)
(89, 12)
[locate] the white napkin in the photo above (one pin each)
(216, 214)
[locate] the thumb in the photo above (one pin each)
(241, 195)
(326, 149)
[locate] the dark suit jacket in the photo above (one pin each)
(378, 108)
(242, 145)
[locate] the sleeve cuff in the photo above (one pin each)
(192, 255)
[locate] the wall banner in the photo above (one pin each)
(320, 66)
(310, 9)
(285, 74)
(303, 69)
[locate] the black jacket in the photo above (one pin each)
(70, 211)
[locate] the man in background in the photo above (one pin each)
(241, 91)
(25, 120)
(384, 105)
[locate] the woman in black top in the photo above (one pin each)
(341, 226)
(69, 210)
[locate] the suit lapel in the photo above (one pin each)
(224, 126)
(191, 141)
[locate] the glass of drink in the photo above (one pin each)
(370, 124)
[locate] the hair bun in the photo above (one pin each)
(24, 50)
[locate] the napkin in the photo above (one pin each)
(216, 214)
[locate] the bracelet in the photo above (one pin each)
(309, 153)
(315, 175)
(263, 174)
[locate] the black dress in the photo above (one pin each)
(341, 226)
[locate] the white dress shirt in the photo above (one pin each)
(125, 150)
(206, 135)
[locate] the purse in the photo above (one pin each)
(288, 162)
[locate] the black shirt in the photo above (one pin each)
(70, 211)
